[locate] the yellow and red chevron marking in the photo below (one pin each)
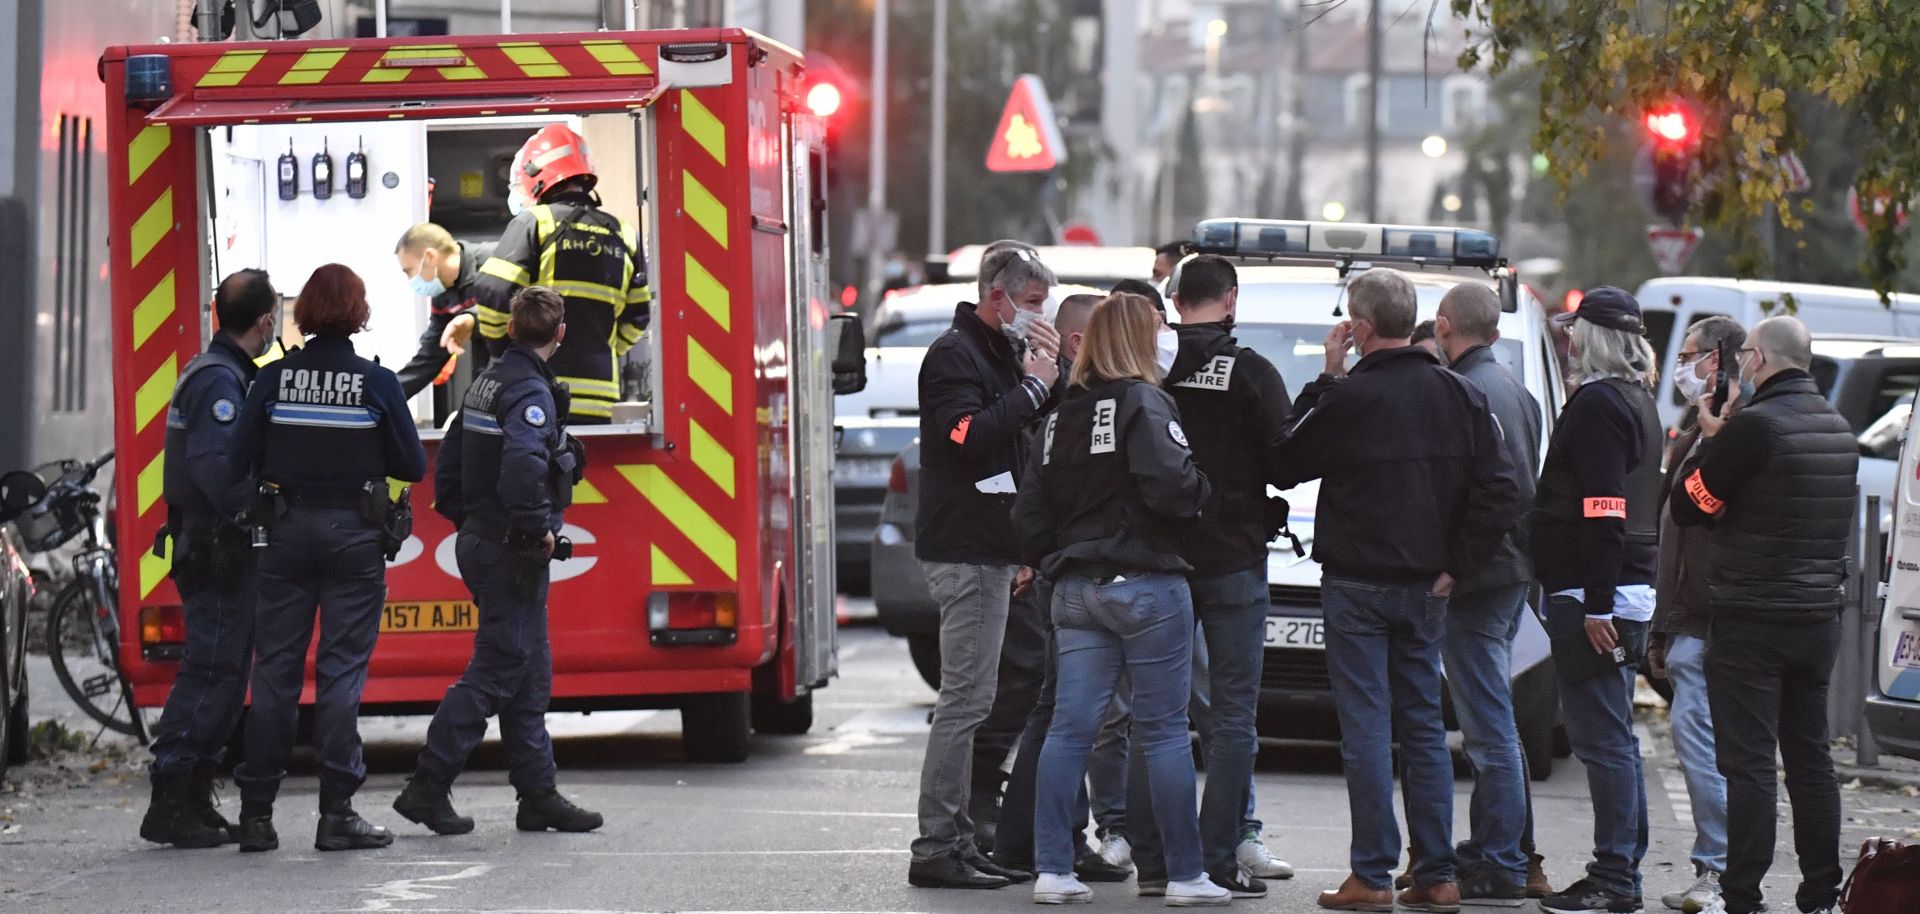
(292, 65)
(156, 319)
(703, 496)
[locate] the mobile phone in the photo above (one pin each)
(1721, 377)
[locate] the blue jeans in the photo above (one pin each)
(1146, 625)
(1232, 612)
(1599, 716)
(211, 688)
(325, 562)
(510, 675)
(1013, 840)
(1693, 746)
(1383, 655)
(1479, 652)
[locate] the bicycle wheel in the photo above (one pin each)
(84, 661)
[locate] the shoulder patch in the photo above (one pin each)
(1215, 375)
(1179, 436)
(535, 416)
(223, 410)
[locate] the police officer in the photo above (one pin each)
(507, 471)
(1100, 511)
(212, 567)
(441, 270)
(568, 244)
(322, 430)
(1234, 404)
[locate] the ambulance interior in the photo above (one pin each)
(380, 178)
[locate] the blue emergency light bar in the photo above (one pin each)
(1300, 240)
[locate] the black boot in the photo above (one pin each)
(342, 829)
(200, 800)
(256, 828)
(544, 809)
(426, 803)
(170, 818)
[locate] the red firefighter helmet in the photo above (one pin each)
(553, 155)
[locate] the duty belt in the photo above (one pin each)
(321, 499)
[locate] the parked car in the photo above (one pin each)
(16, 591)
(1893, 704)
(1070, 263)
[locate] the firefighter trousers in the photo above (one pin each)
(510, 675)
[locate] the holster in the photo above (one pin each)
(393, 518)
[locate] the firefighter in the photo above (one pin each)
(564, 241)
(321, 431)
(507, 471)
(212, 567)
(443, 271)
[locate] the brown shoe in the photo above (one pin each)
(1537, 884)
(1440, 898)
(1405, 879)
(1354, 895)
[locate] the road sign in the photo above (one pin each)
(1880, 203)
(1672, 246)
(1029, 136)
(1080, 233)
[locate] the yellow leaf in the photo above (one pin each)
(1773, 100)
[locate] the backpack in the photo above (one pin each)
(1886, 880)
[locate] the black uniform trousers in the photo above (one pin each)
(510, 675)
(330, 560)
(210, 689)
(1767, 684)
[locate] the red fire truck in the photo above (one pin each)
(703, 578)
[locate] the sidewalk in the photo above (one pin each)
(1894, 772)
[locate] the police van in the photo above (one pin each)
(1893, 704)
(1293, 277)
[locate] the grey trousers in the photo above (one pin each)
(973, 622)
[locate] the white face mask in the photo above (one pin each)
(1022, 322)
(1688, 382)
(1166, 345)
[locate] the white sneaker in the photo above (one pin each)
(1116, 850)
(1197, 893)
(1055, 888)
(1260, 862)
(1703, 895)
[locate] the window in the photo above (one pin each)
(72, 252)
(1356, 98)
(1461, 100)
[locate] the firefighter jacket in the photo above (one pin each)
(426, 364)
(1596, 513)
(1416, 478)
(506, 467)
(975, 409)
(1777, 486)
(199, 481)
(594, 260)
(1112, 487)
(323, 422)
(1234, 404)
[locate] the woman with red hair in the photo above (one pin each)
(322, 431)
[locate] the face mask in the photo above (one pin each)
(1166, 345)
(428, 286)
(517, 202)
(1688, 381)
(1021, 323)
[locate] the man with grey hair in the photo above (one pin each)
(982, 384)
(1416, 492)
(1483, 618)
(1775, 482)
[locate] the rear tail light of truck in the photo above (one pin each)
(681, 618)
(163, 632)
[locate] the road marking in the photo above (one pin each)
(850, 741)
(420, 888)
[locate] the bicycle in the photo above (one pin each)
(83, 626)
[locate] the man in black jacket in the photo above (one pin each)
(982, 383)
(1417, 492)
(441, 270)
(1776, 483)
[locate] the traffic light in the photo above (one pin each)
(1673, 132)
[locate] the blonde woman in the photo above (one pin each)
(1100, 514)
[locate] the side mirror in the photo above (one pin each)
(847, 340)
(19, 490)
(1508, 284)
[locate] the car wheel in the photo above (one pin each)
(1536, 714)
(717, 728)
(782, 718)
(925, 650)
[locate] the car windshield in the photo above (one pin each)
(1299, 350)
(914, 333)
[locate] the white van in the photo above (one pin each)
(1893, 706)
(1672, 304)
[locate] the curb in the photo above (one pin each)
(1883, 778)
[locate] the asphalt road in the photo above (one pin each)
(813, 823)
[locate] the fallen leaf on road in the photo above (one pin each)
(1851, 785)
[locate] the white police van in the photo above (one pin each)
(1292, 284)
(1893, 705)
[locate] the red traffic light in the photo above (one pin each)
(1669, 124)
(823, 99)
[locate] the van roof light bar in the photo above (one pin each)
(1347, 242)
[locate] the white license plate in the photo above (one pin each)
(1289, 631)
(1906, 650)
(863, 470)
